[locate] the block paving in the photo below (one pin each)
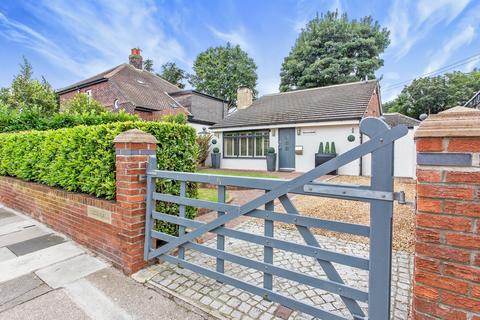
(235, 303)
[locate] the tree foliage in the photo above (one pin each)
(219, 71)
(333, 49)
(28, 94)
(179, 118)
(148, 65)
(173, 74)
(82, 104)
(435, 94)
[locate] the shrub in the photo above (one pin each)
(11, 121)
(320, 147)
(203, 143)
(270, 150)
(216, 150)
(327, 147)
(82, 158)
(82, 104)
(179, 118)
(332, 148)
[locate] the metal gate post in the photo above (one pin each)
(151, 165)
(381, 213)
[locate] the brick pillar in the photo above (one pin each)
(133, 148)
(447, 250)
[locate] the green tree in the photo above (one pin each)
(82, 104)
(173, 74)
(221, 70)
(333, 49)
(148, 65)
(435, 94)
(179, 118)
(29, 95)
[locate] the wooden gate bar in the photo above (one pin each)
(323, 284)
(307, 250)
(181, 214)
(267, 250)
(220, 238)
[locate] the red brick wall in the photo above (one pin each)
(373, 108)
(122, 240)
(447, 251)
(66, 212)
(104, 92)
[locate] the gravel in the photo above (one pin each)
(358, 212)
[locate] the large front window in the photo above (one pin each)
(246, 144)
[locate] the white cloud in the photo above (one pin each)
(440, 59)
(471, 65)
(237, 36)
(100, 33)
(411, 21)
(441, 9)
(268, 86)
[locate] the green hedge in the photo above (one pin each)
(11, 121)
(82, 158)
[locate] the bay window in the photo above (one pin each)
(246, 144)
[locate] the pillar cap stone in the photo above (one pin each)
(454, 122)
(135, 136)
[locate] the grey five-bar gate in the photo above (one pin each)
(379, 195)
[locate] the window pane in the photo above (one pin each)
(250, 146)
(266, 144)
(259, 146)
(229, 147)
(243, 147)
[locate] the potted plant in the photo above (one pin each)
(325, 154)
(271, 159)
(216, 158)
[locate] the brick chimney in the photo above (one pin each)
(244, 97)
(135, 58)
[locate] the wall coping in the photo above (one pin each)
(135, 136)
(454, 122)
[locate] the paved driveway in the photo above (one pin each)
(44, 275)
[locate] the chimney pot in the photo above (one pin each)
(244, 97)
(135, 59)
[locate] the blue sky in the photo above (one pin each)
(67, 41)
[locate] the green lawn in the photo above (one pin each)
(227, 172)
(209, 194)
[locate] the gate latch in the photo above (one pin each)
(353, 192)
(400, 197)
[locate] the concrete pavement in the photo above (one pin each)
(44, 275)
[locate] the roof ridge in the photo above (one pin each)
(318, 88)
(115, 70)
(153, 75)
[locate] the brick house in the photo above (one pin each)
(130, 88)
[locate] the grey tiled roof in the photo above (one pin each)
(143, 88)
(337, 102)
(394, 119)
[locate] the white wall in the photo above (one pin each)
(405, 159)
(311, 137)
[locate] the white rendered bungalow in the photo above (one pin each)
(295, 122)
